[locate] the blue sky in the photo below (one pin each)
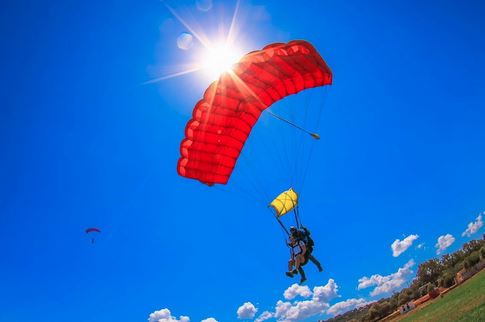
(86, 141)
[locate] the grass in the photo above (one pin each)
(464, 303)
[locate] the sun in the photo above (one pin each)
(218, 59)
(211, 57)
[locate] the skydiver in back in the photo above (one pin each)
(304, 235)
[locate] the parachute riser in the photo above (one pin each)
(282, 225)
(297, 217)
(297, 220)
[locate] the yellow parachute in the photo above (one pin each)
(285, 202)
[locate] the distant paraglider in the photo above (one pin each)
(92, 232)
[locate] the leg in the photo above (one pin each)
(291, 262)
(316, 262)
(302, 274)
(298, 261)
(298, 266)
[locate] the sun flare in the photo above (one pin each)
(219, 59)
(211, 57)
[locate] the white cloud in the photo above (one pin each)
(209, 320)
(400, 246)
(420, 246)
(444, 242)
(297, 290)
(388, 283)
(298, 310)
(246, 311)
(344, 306)
(264, 316)
(164, 315)
(474, 226)
(289, 312)
(325, 293)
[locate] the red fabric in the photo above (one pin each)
(223, 118)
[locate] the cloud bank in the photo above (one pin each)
(297, 290)
(315, 303)
(388, 283)
(288, 312)
(347, 305)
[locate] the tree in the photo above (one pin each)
(386, 308)
(472, 245)
(431, 288)
(394, 301)
(374, 313)
(404, 297)
(450, 260)
(447, 279)
(472, 259)
(429, 271)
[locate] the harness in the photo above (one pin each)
(296, 246)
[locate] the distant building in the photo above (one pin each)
(407, 307)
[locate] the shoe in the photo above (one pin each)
(303, 279)
(320, 269)
(294, 272)
(289, 274)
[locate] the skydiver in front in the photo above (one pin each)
(297, 258)
(303, 234)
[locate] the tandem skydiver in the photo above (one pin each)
(301, 248)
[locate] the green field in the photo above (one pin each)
(464, 303)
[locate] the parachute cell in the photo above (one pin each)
(223, 119)
(285, 202)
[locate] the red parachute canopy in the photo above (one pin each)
(93, 229)
(223, 118)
